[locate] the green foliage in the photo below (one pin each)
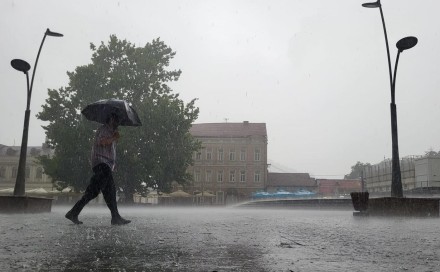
(356, 170)
(156, 153)
(432, 153)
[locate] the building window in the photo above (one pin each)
(257, 154)
(220, 154)
(197, 176)
(14, 172)
(232, 176)
(257, 176)
(2, 172)
(242, 176)
(208, 154)
(198, 155)
(232, 155)
(220, 176)
(208, 176)
(39, 174)
(243, 155)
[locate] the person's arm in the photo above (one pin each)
(109, 140)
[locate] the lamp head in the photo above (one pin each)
(406, 43)
(372, 5)
(20, 65)
(53, 34)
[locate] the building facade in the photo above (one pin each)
(427, 172)
(232, 163)
(338, 187)
(35, 177)
(290, 182)
(417, 172)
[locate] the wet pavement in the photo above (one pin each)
(217, 239)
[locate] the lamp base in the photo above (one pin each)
(25, 204)
(401, 206)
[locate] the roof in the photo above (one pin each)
(244, 129)
(289, 179)
(31, 150)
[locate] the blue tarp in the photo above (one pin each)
(283, 194)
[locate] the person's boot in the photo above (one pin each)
(73, 217)
(113, 207)
(119, 221)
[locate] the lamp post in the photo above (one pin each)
(403, 44)
(23, 66)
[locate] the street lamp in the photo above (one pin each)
(23, 66)
(403, 44)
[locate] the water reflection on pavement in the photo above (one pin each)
(217, 239)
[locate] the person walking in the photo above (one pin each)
(103, 163)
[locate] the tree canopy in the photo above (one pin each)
(432, 153)
(356, 170)
(154, 154)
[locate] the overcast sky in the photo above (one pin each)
(315, 71)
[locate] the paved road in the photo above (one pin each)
(217, 239)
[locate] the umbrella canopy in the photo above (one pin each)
(153, 194)
(40, 191)
(164, 195)
(180, 193)
(100, 110)
(55, 192)
(8, 190)
(304, 193)
(205, 194)
(261, 195)
(67, 190)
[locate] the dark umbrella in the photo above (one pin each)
(100, 110)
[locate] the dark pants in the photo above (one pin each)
(101, 181)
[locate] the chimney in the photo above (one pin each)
(245, 123)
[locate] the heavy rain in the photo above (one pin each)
(218, 239)
(219, 135)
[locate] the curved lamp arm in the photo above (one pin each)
(393, 86)
(47, 33)
(388, 52)
(402, 45)
(33, 72)
(377, 4)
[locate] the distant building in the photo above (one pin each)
(378, 176)
(337, 187)
(232, 163)
(427, 172)
(290, 182)
(35, 177)
(419, 174)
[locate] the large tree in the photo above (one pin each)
(356, 170)
(154, 154)
(432, 153)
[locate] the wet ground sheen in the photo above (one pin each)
(218, 239)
